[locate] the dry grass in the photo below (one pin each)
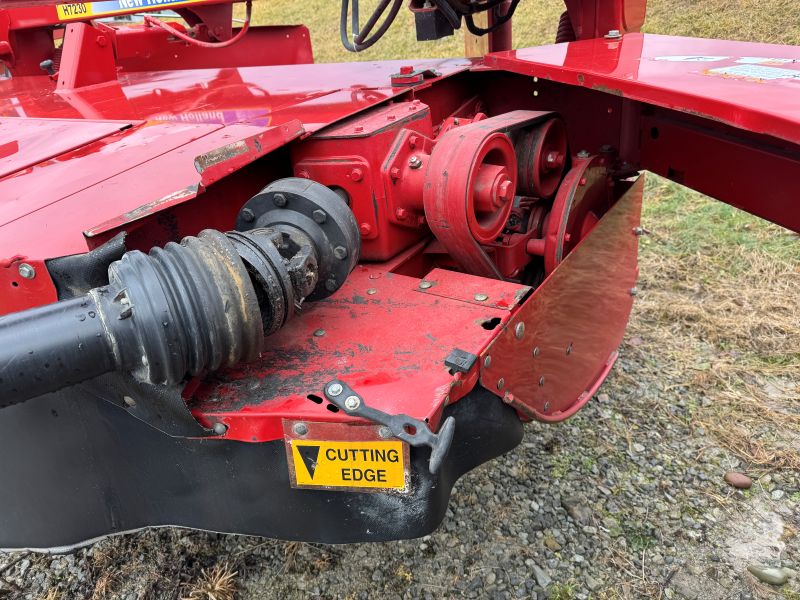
(219, 583)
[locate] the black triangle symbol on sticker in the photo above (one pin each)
(309, 455)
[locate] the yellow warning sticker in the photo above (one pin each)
(368, 465)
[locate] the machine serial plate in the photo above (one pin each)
(350, 465)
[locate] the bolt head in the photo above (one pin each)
(319, 333)
(487, 362)
(541, 381)
(424, 285)
(330, 285)
(335, 389)
(414, 162)
(614, 34)
(519, 330)
(505, 191)
(319, 216)
(220, 428)
(481, 297)
(384, 432)
(340, 252)
(300, 429)
(546, 406)
(26, 271)
(372, 291)
(279, 200)
(633, 291)
(352, 402)
(129, 401)
(356, 174)
(248, 216)
(501, 383)
(583, 154)
(365, 228)
(536, 352)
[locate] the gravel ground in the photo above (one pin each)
(626, 500)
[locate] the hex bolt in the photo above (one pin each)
(319, 216)
(356, 174)
(279, 200)
(487, 362)
(330, 285)
(26, 271)
(519, 330)
(481, 297)
(352, 402)
(248, 215)
(335, 389)
(372, 291)
(319, 333)
(220, 428)
(633, 291)
(384, 432)
(424, 285)
(501, 383)
(340, 252)
(300, 429)
(613, 34)
(415, 162)
(583, 154)
(640, 231)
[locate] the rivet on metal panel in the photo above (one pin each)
(351, 402)
(300, 429)
(500, 383)
(541, 381)
(519, 330)
(481, 297)
(424, 285)
(26, 271)
(372, 291)
(487, 362)
(319, 333)
(334, 389)
(536, 352)
(638, 231)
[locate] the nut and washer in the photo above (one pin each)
(26, 271)
(300, 429)
(352, 402)
(481, 297)
(519, 330)
(614, 34)
(424, 285)
(335, 389)
(414, 162)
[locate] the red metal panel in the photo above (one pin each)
(554, 352)
(685, 74)
(380, 334)
(27, 142)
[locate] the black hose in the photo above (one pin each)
(565, 32)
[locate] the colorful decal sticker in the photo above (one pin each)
(691, 58)
(74, 11)
(752, 72)
(762, 60)
(367, 466)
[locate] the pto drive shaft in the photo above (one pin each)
(184, 309)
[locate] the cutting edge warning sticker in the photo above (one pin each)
(76, 11)
(369, 466)
(755, 72)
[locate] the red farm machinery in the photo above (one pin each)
(247, 293)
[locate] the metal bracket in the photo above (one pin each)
(408, 429)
